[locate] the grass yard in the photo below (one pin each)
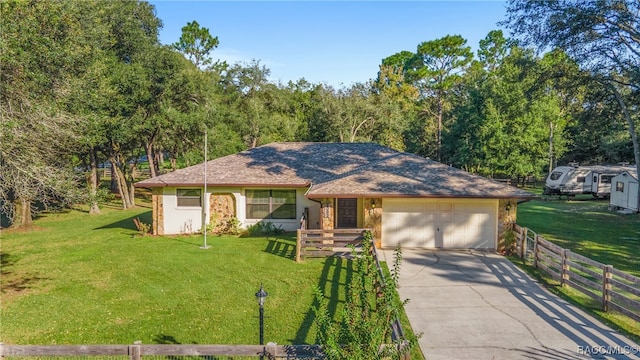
(586, 226)
(81, 279)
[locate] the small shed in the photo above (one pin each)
(624, 191)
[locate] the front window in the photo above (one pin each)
(619, 186)
(189, 197)
(555, 175)
(271, 204)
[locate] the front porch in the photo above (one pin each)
(342, 222)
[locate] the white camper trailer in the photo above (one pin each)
(624, 192)
(568, 180)
(573, 180)
(601, 177)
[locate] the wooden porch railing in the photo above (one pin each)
(323, 243)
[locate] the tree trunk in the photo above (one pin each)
(125, 189)
(94, 183)
(159, 154)
(439, 132)
(148, 147)
(174, 163)
(114, 180)
(121, 182)
(550, 146)
(23, 217)
(132, 195)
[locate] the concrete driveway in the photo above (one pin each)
(478, 305)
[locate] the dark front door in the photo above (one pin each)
(347, 214)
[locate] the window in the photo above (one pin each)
(189, 197)
(271, 204)
(619, 186)
(555, 175)
(606, 179)
(581, 179)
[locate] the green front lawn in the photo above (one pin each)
(81, 279)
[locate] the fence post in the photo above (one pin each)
(134, 350)
(565, 267)
(535, 251)
(523, 242)
(606, 286)
(298, 244)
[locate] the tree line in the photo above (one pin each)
(84, 84)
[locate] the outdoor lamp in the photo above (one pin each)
(261, 295)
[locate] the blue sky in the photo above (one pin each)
(333, 42)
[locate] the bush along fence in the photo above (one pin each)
(369, 328)
(615, 290)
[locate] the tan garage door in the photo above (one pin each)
(447, 224)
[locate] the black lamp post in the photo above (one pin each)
(261, 295)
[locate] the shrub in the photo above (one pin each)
(371, 305)
(264, 228)
(143, 228)
(509, 242)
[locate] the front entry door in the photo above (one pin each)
(347, 214)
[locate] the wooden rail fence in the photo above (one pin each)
(323, 243)
(137, 351)
(615, 290)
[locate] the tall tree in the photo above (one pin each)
(435, 69)
(44, 46)
(603, 36)
(196, 43)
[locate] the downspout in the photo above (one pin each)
(314, 200)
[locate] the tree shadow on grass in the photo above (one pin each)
(330, 284)
(15, 282)
(128, 224)
(165, 339)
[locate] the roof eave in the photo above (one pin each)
(261, 185)
(425, 196)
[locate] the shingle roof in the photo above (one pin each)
(339, 170)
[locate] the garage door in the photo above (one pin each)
(430, 223)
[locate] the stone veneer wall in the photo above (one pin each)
(222, 207)
(327, 214)
(157, 212)
(507, 215)
(373, 219)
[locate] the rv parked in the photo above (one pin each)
(568, 180)
(573, 180)
(601, 177)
